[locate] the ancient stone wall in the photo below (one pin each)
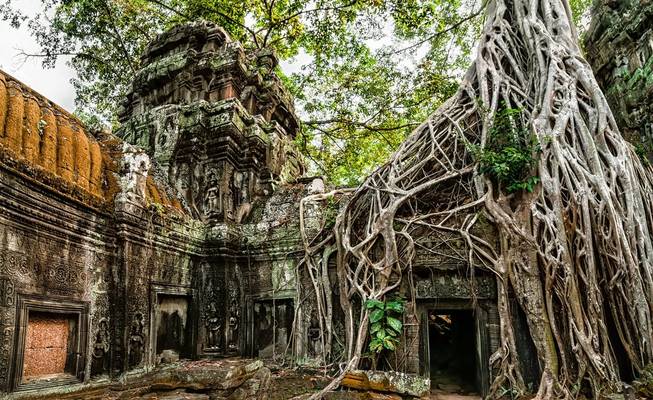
(619, 46)
(180, 236)
(214, 118)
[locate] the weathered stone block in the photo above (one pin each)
(386, 381)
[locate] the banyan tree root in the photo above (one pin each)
(576, 253)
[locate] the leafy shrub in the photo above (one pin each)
(385, 324)
(508, 156)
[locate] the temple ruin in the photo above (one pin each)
(177, 237)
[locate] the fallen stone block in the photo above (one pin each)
(387, 382)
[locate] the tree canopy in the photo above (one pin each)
(366, 71)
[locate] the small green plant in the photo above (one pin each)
(508, 156)
(643, 149)
(158, 208)
(330, 212)
(385, 324)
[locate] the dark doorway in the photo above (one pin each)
(172, 328)
(272, 325)
(453, 351)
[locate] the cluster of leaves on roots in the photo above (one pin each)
(575, 251)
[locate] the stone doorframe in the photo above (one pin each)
(482, 336)
(158, 289)
(51, 305)
(248, 340)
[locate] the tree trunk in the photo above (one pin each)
(576, 252)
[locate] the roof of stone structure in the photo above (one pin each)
(183, 55)
(46, 144)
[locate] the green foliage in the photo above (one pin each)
(643, 149)
(644, 383)
(508, 157)
(364, 72)
(330, 212)
(385, 324)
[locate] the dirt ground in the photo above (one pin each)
(441, 395)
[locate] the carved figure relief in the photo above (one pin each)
(314, 338)
(101, 348)
(133, 175)
(102, 342)
(213, 329)
(241, 196)
(136, 340)
(234, 321)
(212, 196)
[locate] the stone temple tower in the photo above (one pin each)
(214, 118)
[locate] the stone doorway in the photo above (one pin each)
(172, 324)
(51, 343)
(173, 329)
(273, 321)
(452, 351)
(454, 346)
(49, 348)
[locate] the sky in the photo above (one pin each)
(53, 83)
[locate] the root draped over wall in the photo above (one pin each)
(576, 253)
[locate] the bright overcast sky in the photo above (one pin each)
(52, 83)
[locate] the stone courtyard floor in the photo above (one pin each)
(223, 379)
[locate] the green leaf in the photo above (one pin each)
(389, 344)
(394, 323)
(372, 303)
(376, 345)
(375, 327)
(376, 316)
(395, 305)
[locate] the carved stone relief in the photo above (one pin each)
(136, 340)
(101, 347)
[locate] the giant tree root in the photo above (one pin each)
(577, 252)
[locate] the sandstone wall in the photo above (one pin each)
(619, 46)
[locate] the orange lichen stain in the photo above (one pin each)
(153, 193)
(164, 197)
(110, 186)
(31, 134)
(3, 104)
(65, 146)
(82, 158)
(176, 204)
(14, 122)
(48, 153)
(95, 179)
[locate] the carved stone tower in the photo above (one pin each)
(215, 118)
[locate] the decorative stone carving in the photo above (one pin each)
(101, 348)
(136, 340)
(213, 329)
(203, 103)
(133, 176)
(102, 341)
(212, 197)
(234, 324)
(7, 292)
(5, 353)
(619, 47)
(314, 338)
